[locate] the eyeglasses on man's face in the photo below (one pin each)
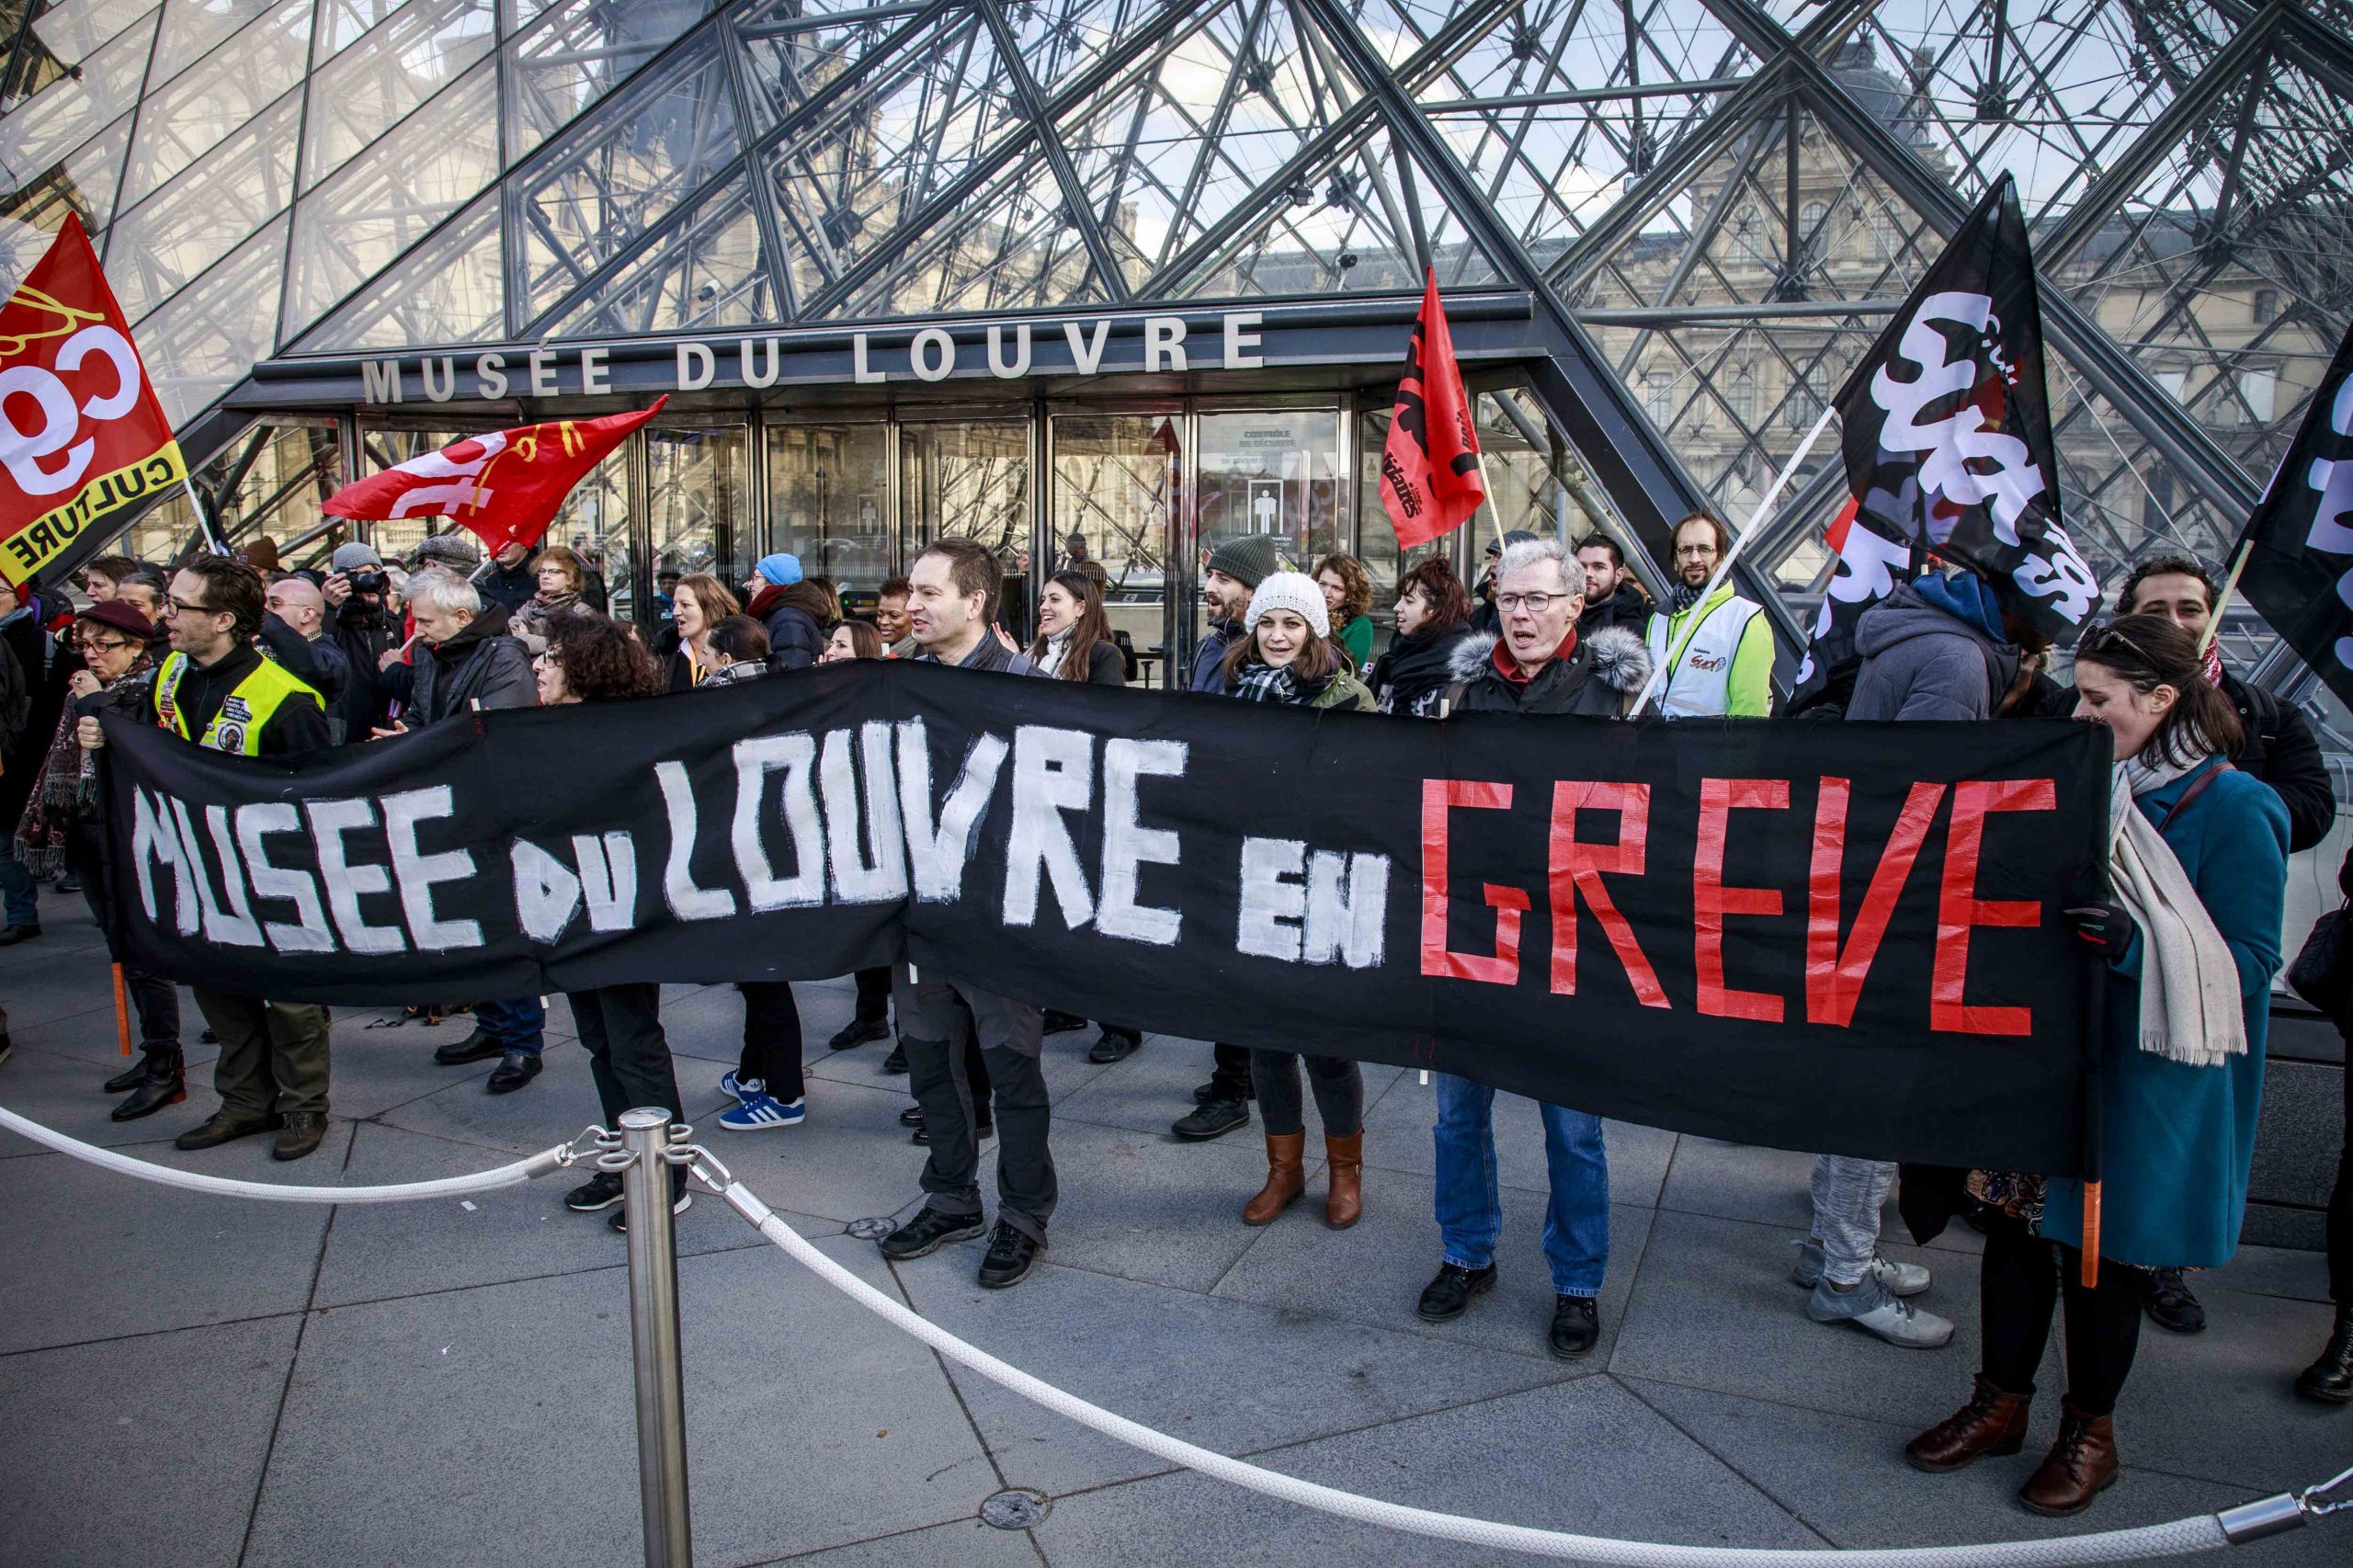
(1695, 551)
(175, 605)
(1535, 604)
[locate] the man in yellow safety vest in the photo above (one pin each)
(1718, 653)
(215, 688)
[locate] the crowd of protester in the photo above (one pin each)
(2218, 782)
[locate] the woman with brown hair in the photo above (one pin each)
(560, 572)
(1433, 616)
(846, 640)
(2197, 855)
(1347, 593)
(1075, 635)
(700, 602)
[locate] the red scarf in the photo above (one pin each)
(1508, 667)
(763, 602)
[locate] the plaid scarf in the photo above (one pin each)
(67, 786)
(1681, 598)
(1264, 683)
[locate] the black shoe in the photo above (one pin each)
(11, 934)
(1444, 1297)
(304, 1132)
(2169, 1304)
(1219, 1089)
(1576, 1325)
(1117, 1045)
(1211, 1118)
(857, 1031)
(475, 1047)
(130, 1078)
(910, 1116)
(1010, 1259)
(1056, 1022)
(680, 1202)
(226, 1127)
(2330, 1379)
(208, 1037)
(895, 1064)
(602, 1190)
(519, 1068)
(161, 1082)
(980, 1129)
(928, 1233)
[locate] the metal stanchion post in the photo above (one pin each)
(654, 1339)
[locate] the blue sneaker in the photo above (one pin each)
(745, 1090)
(760, 1112)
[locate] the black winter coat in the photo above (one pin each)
(1627, 608)
(481, 664)
(365, 636)
(1414, 675)
(1597, 680)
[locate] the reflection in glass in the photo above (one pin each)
(698, 478)
(971, 480)
(199, 217)
(366, 90)
(181, 123)
(829, 500)
(593, 521)
(1274, 472)
(707, 272)
(1117, 482)
(451, 290)
(206, 338)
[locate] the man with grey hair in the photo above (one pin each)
(1538, 666)
(469, 661)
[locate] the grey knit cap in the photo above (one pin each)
(1249, 559)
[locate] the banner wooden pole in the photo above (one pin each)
(2230, 586)
(122, 1013)
(212, 539)
(1495, 513)
(1740, 541)
(2091, 1235)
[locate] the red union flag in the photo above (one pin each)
(504, 486)
(1429, 468)
(82, 436)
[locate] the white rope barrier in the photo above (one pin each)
(2202, 1532)
(514, 1174)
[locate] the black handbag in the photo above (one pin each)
(2323, 972)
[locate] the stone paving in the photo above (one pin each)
(195, 1382)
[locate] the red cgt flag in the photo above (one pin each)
(1429, 468)
(504, 486)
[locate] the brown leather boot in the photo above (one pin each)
(1286, 1178)
(1343, 1203)
(2082, 1464)
(1990, 1423)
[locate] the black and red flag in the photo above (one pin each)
(2299, 569)
(1946, 435)
(1429, 467)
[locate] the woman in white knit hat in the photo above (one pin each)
(1286, 655)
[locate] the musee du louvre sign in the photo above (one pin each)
(1341, 333)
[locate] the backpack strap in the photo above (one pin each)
(2197, 788)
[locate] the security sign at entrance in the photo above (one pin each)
(81, 434)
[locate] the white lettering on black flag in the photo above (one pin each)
(2300, 570)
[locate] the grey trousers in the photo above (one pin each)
(932, 1028)
(1848, 1194)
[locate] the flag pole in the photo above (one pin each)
(1740, 541)
(2230, 586)
(204, 525)
(1495, 513)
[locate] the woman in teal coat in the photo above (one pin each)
(2181, 1080)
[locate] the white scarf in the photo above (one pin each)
(1051, 662)
(2190, 984)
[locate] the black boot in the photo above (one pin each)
(2330, 1379)
(164, 1083)
(131, 1077)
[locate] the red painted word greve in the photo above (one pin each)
(1837, 956)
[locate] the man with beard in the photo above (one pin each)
(1718, 653)
(1612, 597)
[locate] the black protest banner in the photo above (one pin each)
(2299, 569)
(1842, 937)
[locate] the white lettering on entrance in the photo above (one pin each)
(697, 366)
(1021, 365)
(444, 387)
(858, 371)
(380, 379)
(1163, 336)
(594, 372)
(770, 366)
(932, 354)
(490, 375)
(542, 362)
(1242, 340)
(1085, 353)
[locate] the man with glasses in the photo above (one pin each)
(214, 689)
(1539, 666)
(1718, 652)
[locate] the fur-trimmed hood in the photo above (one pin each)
(1618, 658)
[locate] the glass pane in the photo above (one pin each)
(452, 290)
(594, 520)
(709, 273)
(216, 94)
(368, 88)
(203, 213)
(69, 111)
(1376, 535)
(74, 30)
(343, 23)
(789, 51)
(700, 502)
(971, 480)
(85, 184)
(207, 337)
(578, 53)
(1118, 479)
(192, 28)
(829, 500)
(352, 226)
(294, 469)
(1276, 472)
(1013, 245)
(397, 539)
(588, 200)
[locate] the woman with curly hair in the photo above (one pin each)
(1347, 593)
(1433, 617)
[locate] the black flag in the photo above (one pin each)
(1947, 442)
(2300, 569)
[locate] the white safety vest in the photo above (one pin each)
(1699, 676)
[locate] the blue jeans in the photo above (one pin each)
(18, 892)
(1470, 1209)
(519, 1025)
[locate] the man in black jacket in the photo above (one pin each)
(1541, 664)
(365, 630)
(468, 661)
(1612, 597)
(507, 580)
